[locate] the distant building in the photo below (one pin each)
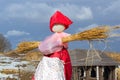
(94, 67)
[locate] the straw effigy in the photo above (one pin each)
(96, 33)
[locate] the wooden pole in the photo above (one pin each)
(97, 72)
(87, 73)
(100, 73)
(113, 72)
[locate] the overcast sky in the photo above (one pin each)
(28, 20)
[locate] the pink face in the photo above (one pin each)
(58, 28)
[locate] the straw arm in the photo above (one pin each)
(96, 33)
(91, 34)
(26, 46)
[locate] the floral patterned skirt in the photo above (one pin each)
(50, 69)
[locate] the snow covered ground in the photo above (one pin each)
(9, 63)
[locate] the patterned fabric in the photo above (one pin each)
(50, 69)
(64, 56)
(53, 43)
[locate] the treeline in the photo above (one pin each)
(5, 44)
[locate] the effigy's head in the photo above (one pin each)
(59, 22)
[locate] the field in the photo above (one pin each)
(22, 66)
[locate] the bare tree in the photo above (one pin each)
(5, 45)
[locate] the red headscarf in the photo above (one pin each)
(59, 18)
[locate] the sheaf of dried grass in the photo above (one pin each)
(94, 33)
(27, 46)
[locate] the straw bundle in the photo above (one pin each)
(27, 46)
(94, 33)
(91, 34)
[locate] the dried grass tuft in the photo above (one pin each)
(94, 33)
(27, 46)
